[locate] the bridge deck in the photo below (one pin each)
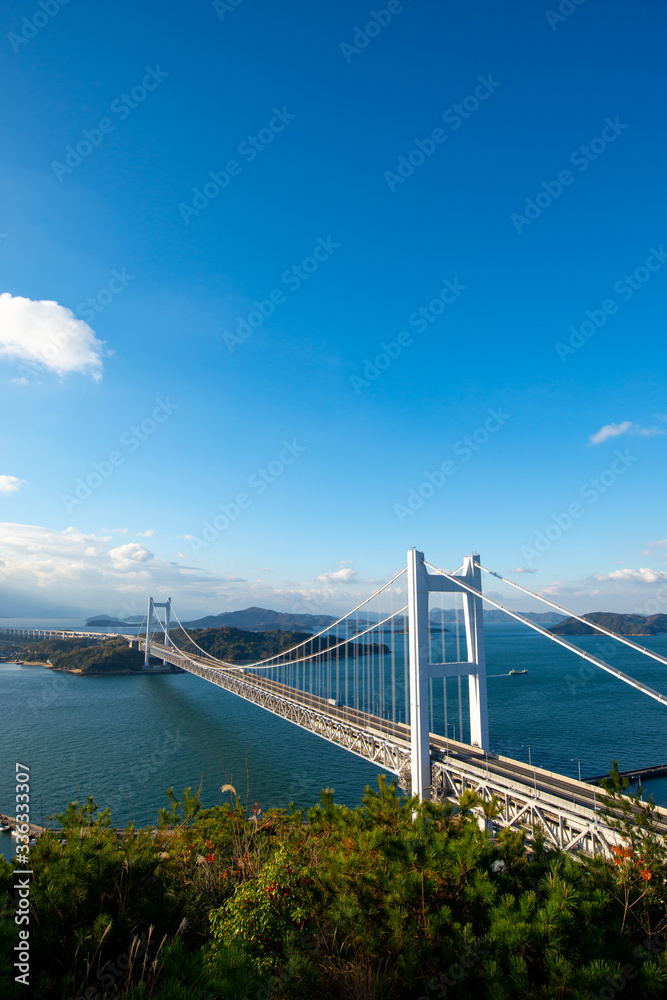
(569, 810)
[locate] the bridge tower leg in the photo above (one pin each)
(167, 618)
(474, 622)
(420, 584)
(418, 635)
(149, 619)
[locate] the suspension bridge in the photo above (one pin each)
(385, 682)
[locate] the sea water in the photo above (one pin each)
(125, 740)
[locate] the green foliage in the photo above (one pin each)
(180, 812)
(395, 899)
(235, 645)
(89, 655)
(268, 914)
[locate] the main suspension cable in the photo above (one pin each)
(579, 618)
(557, 638)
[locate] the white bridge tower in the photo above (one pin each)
(421, 583)
(152, 605)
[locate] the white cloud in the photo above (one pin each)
(130, 553)
(610, 431)
(626, 427)
(642, 575)
(48, 335)
(522, 569)
(345, 575)
(660, 543)
(92, 571)
(10, 484)
(148, 533)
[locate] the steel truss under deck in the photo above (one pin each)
(307, 711)
(567, 822)
(567, 825)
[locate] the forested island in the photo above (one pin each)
(86, 655)
(237, 646)
(93, 656)
(632, 624)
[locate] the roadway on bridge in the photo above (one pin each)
(444, 749)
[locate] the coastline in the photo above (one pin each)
(106, 673)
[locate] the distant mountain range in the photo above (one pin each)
(265, 620)
(494, 617)
(623, 624)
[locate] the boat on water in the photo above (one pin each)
(4, 828)
(513, 673)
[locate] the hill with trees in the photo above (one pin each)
(87, 655)
(632, 624)
(237, 646)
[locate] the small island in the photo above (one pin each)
(89, 656)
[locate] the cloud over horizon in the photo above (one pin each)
(344, 575)
(642, 575)
(49, 336)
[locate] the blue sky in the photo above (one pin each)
(499, 167)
